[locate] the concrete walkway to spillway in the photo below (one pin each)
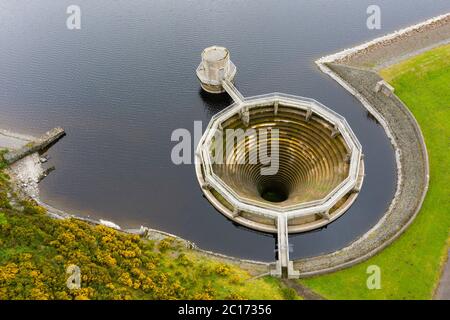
(232, 91)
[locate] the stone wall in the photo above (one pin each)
(412, 169)
(396, 46)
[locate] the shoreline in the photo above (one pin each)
(372, 48)
(26, 174)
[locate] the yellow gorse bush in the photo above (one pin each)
(36, 251)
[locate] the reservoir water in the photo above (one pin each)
(126, 80)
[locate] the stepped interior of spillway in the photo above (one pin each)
(311, 162)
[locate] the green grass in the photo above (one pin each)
(410, 267)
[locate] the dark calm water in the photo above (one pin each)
(126, 80)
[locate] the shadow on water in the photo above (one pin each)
(214, 102)
(372, 117)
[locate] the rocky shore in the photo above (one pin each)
(396, 46)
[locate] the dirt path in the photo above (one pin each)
(302, 291)
(443, 290)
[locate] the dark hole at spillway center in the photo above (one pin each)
(273, 192)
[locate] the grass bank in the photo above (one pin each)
(410, 267)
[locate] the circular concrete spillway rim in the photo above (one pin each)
(208, 179)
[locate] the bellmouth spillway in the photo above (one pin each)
(319, 163)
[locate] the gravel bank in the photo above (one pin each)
(396, 46)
